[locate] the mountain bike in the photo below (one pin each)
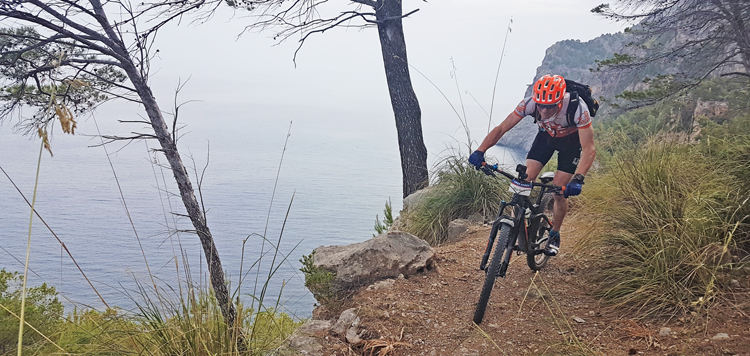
(519, 226)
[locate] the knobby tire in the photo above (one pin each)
(540, 233)
(541, 229)
(501, 247)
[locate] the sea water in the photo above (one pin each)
(294, 180)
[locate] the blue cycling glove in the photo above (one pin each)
(574, 187)
(477, 158)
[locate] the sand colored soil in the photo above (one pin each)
(549, 313)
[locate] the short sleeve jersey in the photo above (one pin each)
(557, 125)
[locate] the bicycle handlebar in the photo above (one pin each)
(491, 169)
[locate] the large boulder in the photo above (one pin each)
(384, 256)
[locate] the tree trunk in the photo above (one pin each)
(403, 99)
(737, 22)
(169, 147)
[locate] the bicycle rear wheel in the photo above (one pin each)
(501, 248)
(538, 241)
(539, 235)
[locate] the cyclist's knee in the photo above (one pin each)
(560, 199)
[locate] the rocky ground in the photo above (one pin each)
(549, 313)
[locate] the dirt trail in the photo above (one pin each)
(549, 313)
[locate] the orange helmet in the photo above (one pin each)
(549, 89)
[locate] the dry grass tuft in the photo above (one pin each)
(381, 346)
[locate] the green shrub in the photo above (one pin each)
(92, 332)
(381, 227)
(42, 310)
(318, 281)
(185, 325)
(459, 191)
(661, 228)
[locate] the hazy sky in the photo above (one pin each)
(247, 88)
(341, 71)
(339, 74)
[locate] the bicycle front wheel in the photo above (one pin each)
(501, 248)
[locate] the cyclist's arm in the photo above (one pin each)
(588, 151)
(511, 121)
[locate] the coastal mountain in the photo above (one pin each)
(576, 60)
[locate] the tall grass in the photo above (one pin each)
(729, 145)
(459, 191)
(191, 324)
(194, 325)
(663, 222)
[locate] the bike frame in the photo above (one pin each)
(521, 217)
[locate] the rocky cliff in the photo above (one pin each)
(576, 60)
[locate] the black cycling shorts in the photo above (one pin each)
(568, 148)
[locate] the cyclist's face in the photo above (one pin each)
(548, 111)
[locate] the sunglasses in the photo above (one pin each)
(547, 106)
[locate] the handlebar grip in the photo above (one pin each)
(489, 169)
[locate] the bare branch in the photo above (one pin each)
(134, 122)
(735, 73)
(336, 22)
(136, 136)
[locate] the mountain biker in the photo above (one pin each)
(574, 143)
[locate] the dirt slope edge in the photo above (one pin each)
(549, 313)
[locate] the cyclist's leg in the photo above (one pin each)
(560, 208)
(539, 154)
(568, 154)
(533, 167)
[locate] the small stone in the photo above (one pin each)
(592, 313)
(384, 284)
(315, 327)
(401, 276)
(578, 320)
(720, 336)
(534, 294)
(351, 335)
(664, 331)
(345, 321)
(386, 314)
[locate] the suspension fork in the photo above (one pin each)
(518, 226)
(508, 253)
(493, 234)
